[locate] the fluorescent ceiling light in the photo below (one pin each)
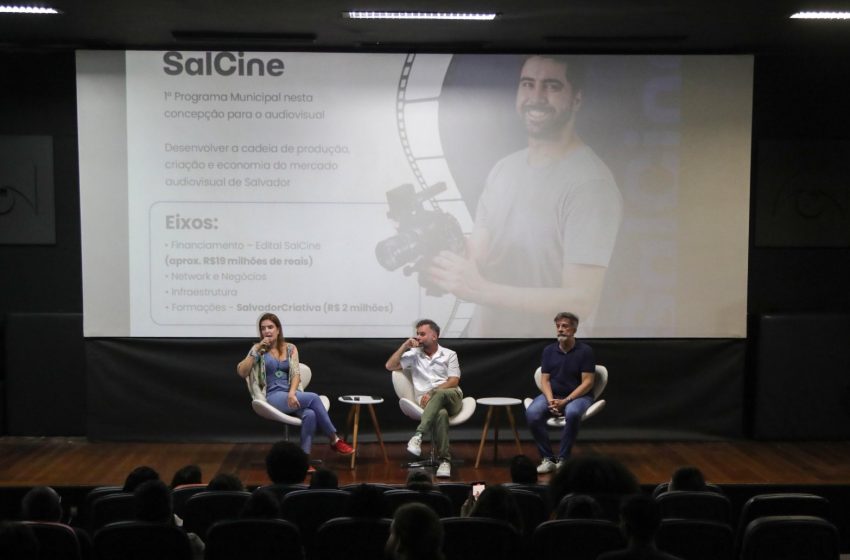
(420, 15)
(27, 10)
(821, 15)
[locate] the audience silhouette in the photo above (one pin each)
(585, 487)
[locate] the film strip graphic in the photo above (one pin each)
(417, 120)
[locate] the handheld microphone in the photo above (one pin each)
(264, 346)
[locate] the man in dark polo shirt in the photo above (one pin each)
(567, 368)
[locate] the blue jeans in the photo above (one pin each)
(311, 413)
(538, 413)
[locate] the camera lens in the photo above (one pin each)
(398, 250)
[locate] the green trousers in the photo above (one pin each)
(435, 418)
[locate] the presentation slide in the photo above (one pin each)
(352, 194)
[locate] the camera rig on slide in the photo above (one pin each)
(422, 233)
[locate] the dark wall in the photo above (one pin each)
(803, 377)
(801, 186)
(38, 97)
(798, 256)
(799, 261)
(46, 390)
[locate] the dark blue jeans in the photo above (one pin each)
(538, 413)
(312, 413)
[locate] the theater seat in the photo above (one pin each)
(364, 539)
(254, 539)
(479, 537)
(137, 540)
(790, 537)
(434, 499)
(696, 539)
(56, 541)
(587, 538)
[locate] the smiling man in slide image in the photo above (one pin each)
(547, 220)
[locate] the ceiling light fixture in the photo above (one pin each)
(821, 15)
(27, 10)
(421, 15)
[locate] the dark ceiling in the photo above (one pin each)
(622, 26)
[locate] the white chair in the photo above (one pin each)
(403, 385)
(269, 412)
(599, 383)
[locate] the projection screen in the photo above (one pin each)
(352, 194)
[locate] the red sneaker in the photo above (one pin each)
(311, 469)
(342, 448)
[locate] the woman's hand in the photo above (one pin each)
(264, 345)
(292, 401)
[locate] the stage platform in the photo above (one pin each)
(79, 462)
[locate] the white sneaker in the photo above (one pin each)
(444, 470)
(546, 466)
(414, 446)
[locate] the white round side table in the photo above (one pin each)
(495, 403)
(354, 420)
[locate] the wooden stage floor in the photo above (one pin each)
(76, 461)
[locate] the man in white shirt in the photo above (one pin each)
(436, 385)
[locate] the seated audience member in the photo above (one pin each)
(523, 470)
(152, 502)
(367, 501)
(497, 502)
(640, 518)
(594, 475)
(415, 534)
(17, 542)
(227, 482)
(579, 506)
(262, 504)
(42, 503)
(286, 463)
(190, 474)
(419, 480)
(687, 479)
(137, 476)
(324, 479)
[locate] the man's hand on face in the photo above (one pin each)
(411, 342)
